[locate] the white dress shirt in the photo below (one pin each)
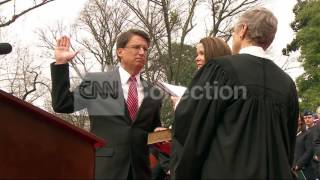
(254, 51)
(124, 78)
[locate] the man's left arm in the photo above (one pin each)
(156, 121)
(316, 143)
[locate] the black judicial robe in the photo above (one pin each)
(249, 135)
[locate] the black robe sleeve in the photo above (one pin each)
(293, 117)
(194, 126)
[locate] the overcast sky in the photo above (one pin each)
(67, 10)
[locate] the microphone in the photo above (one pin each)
(5, 48)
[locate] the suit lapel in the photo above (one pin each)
(116, 76)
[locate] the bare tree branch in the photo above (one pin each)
(22, 75)
(222, 13)
(3, 2)
(15, 16)
(168, 22)
(104, 20)
(187, 27)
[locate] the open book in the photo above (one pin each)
(173, 90)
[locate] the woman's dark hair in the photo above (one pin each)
(214, 47)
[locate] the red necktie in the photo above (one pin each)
(132, 101)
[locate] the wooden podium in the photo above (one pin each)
(37, 145)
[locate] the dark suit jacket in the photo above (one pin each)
(316, 140)
(304, 152)
(303, 149)
(316, 148)
(102, 95)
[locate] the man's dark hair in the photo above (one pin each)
(307, 113)
(124, 37)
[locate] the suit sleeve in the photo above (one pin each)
(306, 157)
(316, 140)
(62, 98)
(157, 120)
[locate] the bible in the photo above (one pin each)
(159, 136)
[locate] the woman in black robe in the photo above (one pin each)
(238, 116)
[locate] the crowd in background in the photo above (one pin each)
(307, 148)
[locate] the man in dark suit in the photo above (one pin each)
(122, 107)
(316, 145)
(238, 118)
(303, 148)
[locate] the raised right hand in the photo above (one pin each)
(62, 52)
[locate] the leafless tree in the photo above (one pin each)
(223, 13)
(79, 118)
(21, 77)
(95, 34)
(285, 62)
(104, 20)
(167, 22)
(291, 62)
(50, 34)
(16, 12)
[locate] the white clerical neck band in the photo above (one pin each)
(254, 51)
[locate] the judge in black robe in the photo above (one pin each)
(238, 116)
